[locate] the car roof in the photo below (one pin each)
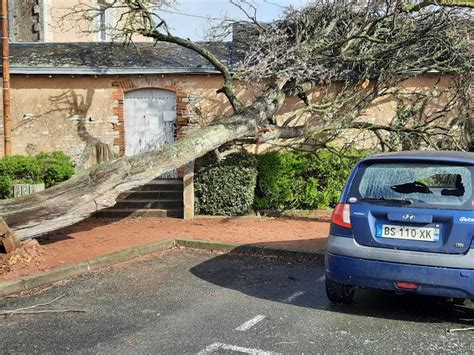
(428, 155)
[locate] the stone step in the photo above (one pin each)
(158, 198)
(166, 181)
(138, 213)
(151, 195)
(158, 186)
(147, 204)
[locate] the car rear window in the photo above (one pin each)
(415, 184)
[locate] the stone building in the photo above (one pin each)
(65, 96)
(71, 89)
(61, 65)
(73, 96)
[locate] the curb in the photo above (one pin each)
(209, 216)
(88, 266)
(245, 248)
(265, 215)
(81, 268)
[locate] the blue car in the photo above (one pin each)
(405, 223)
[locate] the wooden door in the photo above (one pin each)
(150, 120)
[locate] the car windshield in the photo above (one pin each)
(415, 184)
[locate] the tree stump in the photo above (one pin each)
(8, 238)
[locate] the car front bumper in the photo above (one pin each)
(368, 272)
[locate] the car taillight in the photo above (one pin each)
(406, 285)
(342, 215)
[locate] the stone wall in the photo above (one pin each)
(66, 113)
(58, 113)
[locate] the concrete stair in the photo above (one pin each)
(158, 198)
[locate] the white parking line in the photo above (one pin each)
(210, 349)
(216, 346)
(293, 296)
(249, 324)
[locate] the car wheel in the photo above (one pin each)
(338, 292)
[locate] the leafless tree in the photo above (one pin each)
(338, 58)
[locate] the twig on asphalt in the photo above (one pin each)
(13, 311)
(460, 329)
(28, 293)
(37, 291)
(10, 313)
(9, 296)
(285, 342)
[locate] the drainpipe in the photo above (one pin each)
(7, 123)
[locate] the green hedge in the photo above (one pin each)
(56, 167)
(285, 180)
(50, 168)
(300, 180)
(225, 187)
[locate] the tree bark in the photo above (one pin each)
(98, 188)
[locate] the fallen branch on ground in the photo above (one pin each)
(35, 292)
(27, 310)
(10, 313)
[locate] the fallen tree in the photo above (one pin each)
(98, 187)
(368, 51)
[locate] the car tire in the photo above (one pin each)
(338, 292)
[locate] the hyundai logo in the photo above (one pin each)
(408, 217)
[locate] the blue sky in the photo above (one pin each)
(193, 21)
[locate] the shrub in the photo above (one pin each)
(56, 167)
(6, 187)
(275, 179)
(21, 168)
(50, 168)
(300, 180)
(225, 187)
(18, 169)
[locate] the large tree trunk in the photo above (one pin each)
(98, 188)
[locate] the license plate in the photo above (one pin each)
(409, 233)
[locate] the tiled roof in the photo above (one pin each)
(110, 58)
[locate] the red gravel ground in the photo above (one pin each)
(95, 237)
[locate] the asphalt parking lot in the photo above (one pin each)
(202, 303)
